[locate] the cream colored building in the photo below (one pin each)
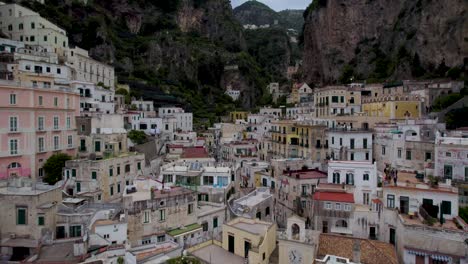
(22, 24)
(250, 238)
(337, 100)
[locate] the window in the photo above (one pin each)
(428, 156)
(448, 154)
(162, 215)
(336, 177)
(21, 216)
(390, 201)
(68, 122)
(365, 198)
(351, 156)
(56, 122)
(466, 174)
(328, 206)
(365, 177)
(12, 99)
(408, 155)
(70, 141)
(40, 123)
(205, 226)
(56, 142)
(399, 153)
(446, 207)
(32, 39)
(347, 207)
(40, 100)
(45, 38)
(334, 99)
(364, 143)
(167, 178)
(78, 187)
(41, 145)
(13, 146)
(341, 141)
(337, 206)
(333, 140)
(59, 71)
(94, 175)
(351, 143)
(10, 27)
(75, 231)
(97, 146)
(118, 187)
(73, 172)
(161, 238)
(111, 172)
(349, 178)
(215, 222)
(118, 170)
(190, 208)
(383, 150)
(33, 25)
(40, 220)
(127, 168)
(55, 101)
(20, 26)
(139, 166)
(208, 180)
(448, 170)
(111, 190)
(13, 124)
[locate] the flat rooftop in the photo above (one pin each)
(217, 255)
(254, 228)
(35, 189)
(254, 198)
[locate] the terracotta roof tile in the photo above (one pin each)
(334, 197)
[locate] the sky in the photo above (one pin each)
(278, 5)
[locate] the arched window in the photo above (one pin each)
(14, 165)
(295, 230)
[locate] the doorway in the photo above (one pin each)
(231, 244)
(392, 236)
(404, 204)
(247, 247)
(325, 227)
(19, 253)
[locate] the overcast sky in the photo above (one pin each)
(279, 5)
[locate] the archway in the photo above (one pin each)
(295, 231)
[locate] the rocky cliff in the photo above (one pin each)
(383, 39)
(173, 52)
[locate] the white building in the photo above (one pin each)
(94, 99)
(184, 121)
(451, 158)
(360, 174)
(350, 144)
(234, 94)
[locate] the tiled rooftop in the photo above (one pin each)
(371, 251)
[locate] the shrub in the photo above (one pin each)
(53, 167)
(137, 136)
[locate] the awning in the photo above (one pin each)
(441, 258)
(417, 253)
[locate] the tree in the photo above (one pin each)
(137, 136)
(463, 213)
(416, 69)
(120, 260)
(53, 167)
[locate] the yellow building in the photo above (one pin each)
(238, 115)
(291, 139)
(393, 107)
(337, 100)
(250, 238)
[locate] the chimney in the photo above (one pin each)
(357, 251)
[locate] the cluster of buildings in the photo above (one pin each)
(343, 174)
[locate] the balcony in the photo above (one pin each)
(341, 230)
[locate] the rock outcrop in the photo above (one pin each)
(383, 39)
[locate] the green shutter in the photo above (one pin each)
(73, 173)
(93, 175)
(139, 166)
(40, 220)
(97, 146)
(111, 172)
(78, 187)
(112, 190)
(21, 216)
(215, 222)
(118, 187)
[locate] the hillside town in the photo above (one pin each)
(358, 173)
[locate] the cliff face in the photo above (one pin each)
(172, 52)
(383, 39)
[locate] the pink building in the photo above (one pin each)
(36, 121)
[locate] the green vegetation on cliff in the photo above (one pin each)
(172, 52)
